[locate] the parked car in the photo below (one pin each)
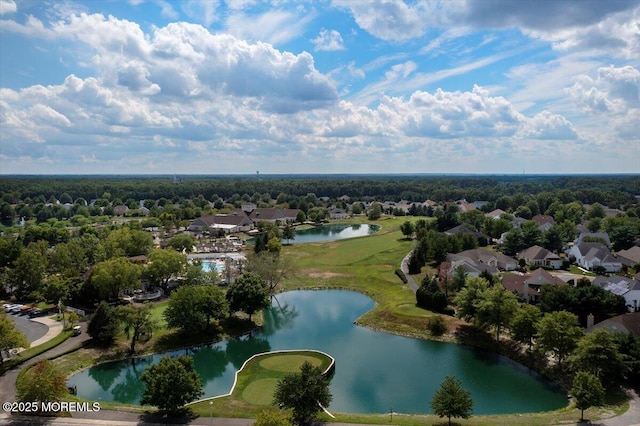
(15, 309)
(36, 313)
(9, 306)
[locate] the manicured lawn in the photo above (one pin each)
(256, 383)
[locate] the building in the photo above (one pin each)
(628, 288)
(527, 286)
(536, 256)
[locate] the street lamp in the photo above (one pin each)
(211, 411)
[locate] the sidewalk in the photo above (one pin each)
(55, 328)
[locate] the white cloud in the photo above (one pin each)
(203, 12)
(8, 6)
(328, 40)
(274, 26)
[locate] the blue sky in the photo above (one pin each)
(336, 86)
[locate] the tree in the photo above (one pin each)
(587, 392)
(459, 278)
(103, 326)
(452, 400)
(248, 294)
(495, 307)
(289, 233)
(271, 267)
(164, 264)
(191, 308)
(303, 393)
(407, 229)
(127, 242)
(136, 320)
(467, 297)
(42, 382)
(28, 271)
(182, 242)
(429, 295)
(10, 337)
(375, 211)
(115, 275)
(597, 353)
(523, 325)
(171, 383)
(558, 333)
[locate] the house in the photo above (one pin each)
(495, 214)
(486, 257)
(622, 286)
(527, 286)
(473, 269)
(462, 229)
(625, 323)
(229, 223)
(593, 237)
(273, 215)
(336, 213)
(465, 206)
(544, 221)
(591, 255)
(536, 256)
(248, 207)
(630, 257)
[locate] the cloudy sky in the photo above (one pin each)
(334, 86)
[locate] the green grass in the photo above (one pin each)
(256, 383)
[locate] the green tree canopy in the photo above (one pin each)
(407, 229)
(495, 307)
(249, 294)
(597, 353)
(466, 299)
(523, 325)
(191, 308)
(558, 333)
(303, 392)
(430, 296)
(136, 320)
(452, 400)
(103, 326)
(164, 264)
(171, 383)
(115, 275)
(10, 337)
(587, 392)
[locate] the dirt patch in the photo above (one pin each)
(327, 275)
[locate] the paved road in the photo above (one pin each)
(8, 379)
(404, 267)
(32, 329)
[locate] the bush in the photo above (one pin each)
(436, 325)
(401, 275)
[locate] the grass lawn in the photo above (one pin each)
(256, 383)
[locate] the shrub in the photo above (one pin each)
(436, 325)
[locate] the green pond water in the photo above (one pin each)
(375, 372)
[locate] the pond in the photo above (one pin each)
(375, 371)
(333, 232)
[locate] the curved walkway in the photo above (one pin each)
(404, 267)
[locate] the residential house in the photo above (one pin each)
(536, 256)
(592, 236)
(248, 207)
(336, 213)
(472, 268)
(229, 223)
(527, 286)
(487, 257)
(465, 206)
(544, 221)
(630, 257)
(591, 255)
(622, 286)
(495, 214)
(625, 323)
(273, 215)
(462, 229)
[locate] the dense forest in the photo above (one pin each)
(609, 190)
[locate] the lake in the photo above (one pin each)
(375, 372)
(333, 232)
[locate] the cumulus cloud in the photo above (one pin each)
(328, 40)
(8, 6)
(614, 90)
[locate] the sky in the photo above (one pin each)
(324, 86)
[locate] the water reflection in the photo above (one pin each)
(374, 371)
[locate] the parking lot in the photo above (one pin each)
(32, 329)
